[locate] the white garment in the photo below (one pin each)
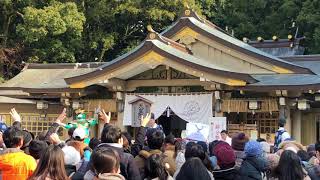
(228, 140)
(285, 135)
(180, 159)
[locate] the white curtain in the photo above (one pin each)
(196, 108)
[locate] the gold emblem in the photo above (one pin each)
(152, 36)
(187, 12)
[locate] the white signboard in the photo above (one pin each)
(197, 132)
(217, 124)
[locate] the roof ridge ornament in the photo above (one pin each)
(152, 33)
(150, 29)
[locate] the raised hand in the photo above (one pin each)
(104, 116)
(14, 114)
(145, 120)
(54, 139)
(62, 116)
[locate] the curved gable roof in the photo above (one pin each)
(203, 27)
(166, 48)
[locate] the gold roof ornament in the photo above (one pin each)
(290, 37)
(150, 29)
(187, 8)
(260, 39)
(275, 38)
(186, 5)
(152, 34)
(245, 39)
(187, 12)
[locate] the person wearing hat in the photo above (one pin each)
(254, 165)
(79, 134)
(237, 143)
(72, 159)
(226, 160)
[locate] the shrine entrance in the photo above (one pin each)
(172, 123)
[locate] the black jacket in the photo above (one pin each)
(226, 174)
(70, 169)
(252, 168)
(128, 169)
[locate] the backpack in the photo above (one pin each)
(278, 139)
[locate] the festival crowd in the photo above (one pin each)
(151, 156)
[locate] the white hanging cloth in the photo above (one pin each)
(196, 108)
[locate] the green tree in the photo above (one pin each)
(309, 21)
(114, 27)
(52, 33)
(253, 18)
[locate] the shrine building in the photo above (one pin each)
(191, 72)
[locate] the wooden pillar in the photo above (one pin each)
(296, 125)
(288, 125)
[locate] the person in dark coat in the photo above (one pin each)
(238, 142)
(111, 137)
(226, 160)
(254, 165)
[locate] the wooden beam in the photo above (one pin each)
(133, 84)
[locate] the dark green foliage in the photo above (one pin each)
(55, 31)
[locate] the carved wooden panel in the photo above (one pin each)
(140, 108)
(175, 74)
(158, 73)
(161, 73)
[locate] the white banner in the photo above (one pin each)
(217, 124)
(191, 108)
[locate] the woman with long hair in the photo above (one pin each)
(290, 167)
(193, 169)
(51, 165)
(155, 168)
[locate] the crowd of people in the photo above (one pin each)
(151, 156)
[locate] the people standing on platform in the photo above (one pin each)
(152, 124)
(225, 137)
(281, 135)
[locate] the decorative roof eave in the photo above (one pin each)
(44, 90)
(146, 46)
(140, 98)
(185, 22)
(276, 43)
(313, 57)
(10, 100)
(266, 88)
